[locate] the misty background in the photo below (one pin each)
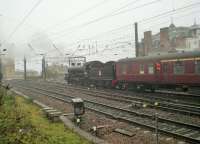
(98, 29)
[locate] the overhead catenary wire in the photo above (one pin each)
(107, 32)
(22, 21)
(104, 17)
(91, 8)
(175, 18)
(164, 14)
(104, 33)
(116, 10)
(118, 42)
(79, 14)
(110, 31)
(168, 12)
(91, 53)
(173, 10)
(122, 40)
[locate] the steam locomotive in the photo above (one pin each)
(173, 70)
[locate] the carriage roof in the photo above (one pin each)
(168, 56)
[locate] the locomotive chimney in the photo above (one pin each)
(147, 42)
(164, 39)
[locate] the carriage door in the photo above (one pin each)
(158, 71)
(165, 72)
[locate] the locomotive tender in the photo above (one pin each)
(149, 72)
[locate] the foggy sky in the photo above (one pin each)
(56, 21)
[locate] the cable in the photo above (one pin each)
(133, 2)
(169, 12)
(112, 30)
(122, 27)
(122, 40)
(107, 16)
(165, 13)
(176, 18)
(23, 20)
(30, 46)
(79, 14)
(146, 19)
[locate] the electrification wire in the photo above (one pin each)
(79, 14)
(163, 14)
(119, 39)
(30, 46)
(23, 20)
(111, 14)
(183, 16)
(122, 40)
(169, 12)
(153, 17)
(94, 21)
(102, 51)
(176, 18)
(91, 8)
(77, 48)
(107, 16)
(107, 32)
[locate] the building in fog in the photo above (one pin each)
(8, 67)
(171, 39)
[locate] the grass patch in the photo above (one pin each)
(22, 122)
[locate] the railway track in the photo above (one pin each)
(172, 106)
(165, 109)
(159, 95)
(191, 97)
(162, 95)
(183, 108)
(187, 132)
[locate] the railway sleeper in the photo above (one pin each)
(52, 114)
(191, 134)
(124, 132)
(182, 130)
(96, 129)
(136, 104)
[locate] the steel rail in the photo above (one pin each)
(115, 114)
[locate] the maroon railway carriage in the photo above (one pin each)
(174, 69)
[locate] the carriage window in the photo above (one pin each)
(178, 67)
(151, 69)
(197, 67)
(165, 68)
(141, 69)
